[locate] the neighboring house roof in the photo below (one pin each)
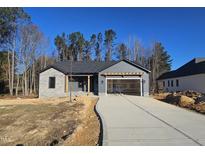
(86, 67)
(193, 67)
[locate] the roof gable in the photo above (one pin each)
(137, 65)
(129, 63)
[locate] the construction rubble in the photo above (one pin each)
(186, 99)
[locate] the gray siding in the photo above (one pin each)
(192, 82)
(123, 67)
(58, 91)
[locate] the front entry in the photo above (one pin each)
(124, 86)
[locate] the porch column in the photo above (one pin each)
(88, 84)
(66, 85)
(141, 88)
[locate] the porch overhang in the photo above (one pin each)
(69, 77)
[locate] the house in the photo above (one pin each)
(99, 78)
(190, 76)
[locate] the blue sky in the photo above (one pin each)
(181, 30)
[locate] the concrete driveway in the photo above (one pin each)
(133, 120)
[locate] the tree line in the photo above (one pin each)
(103, 47)
(24, 52)
(22, 55)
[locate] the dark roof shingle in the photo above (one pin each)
(86, 67)
(193, 67)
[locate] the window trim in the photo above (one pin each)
(50, 86)
(172, 83)
(164, 84)
(177, 82)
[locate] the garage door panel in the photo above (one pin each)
(125, 86)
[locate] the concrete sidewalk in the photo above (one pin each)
(132, 120)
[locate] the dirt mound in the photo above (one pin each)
(186, 102)
(87, 133)
(187, 99)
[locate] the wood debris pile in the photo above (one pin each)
(187, 99)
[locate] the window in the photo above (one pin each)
(52, 82)
(177, 83)
(172, 83)
(163, 83)
(168, 83)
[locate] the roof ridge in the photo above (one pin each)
(89, 67)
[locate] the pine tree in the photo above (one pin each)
(122, 51)
(160, 63)
(87, 50)
(98, 48)
(110, 36)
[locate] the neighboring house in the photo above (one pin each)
(190, 76)
(93, 77)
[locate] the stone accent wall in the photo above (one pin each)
(45, 91)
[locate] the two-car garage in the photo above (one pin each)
(125, 78)
(128, 86)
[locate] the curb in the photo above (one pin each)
(103, 129)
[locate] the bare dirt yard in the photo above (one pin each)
(49, 121)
